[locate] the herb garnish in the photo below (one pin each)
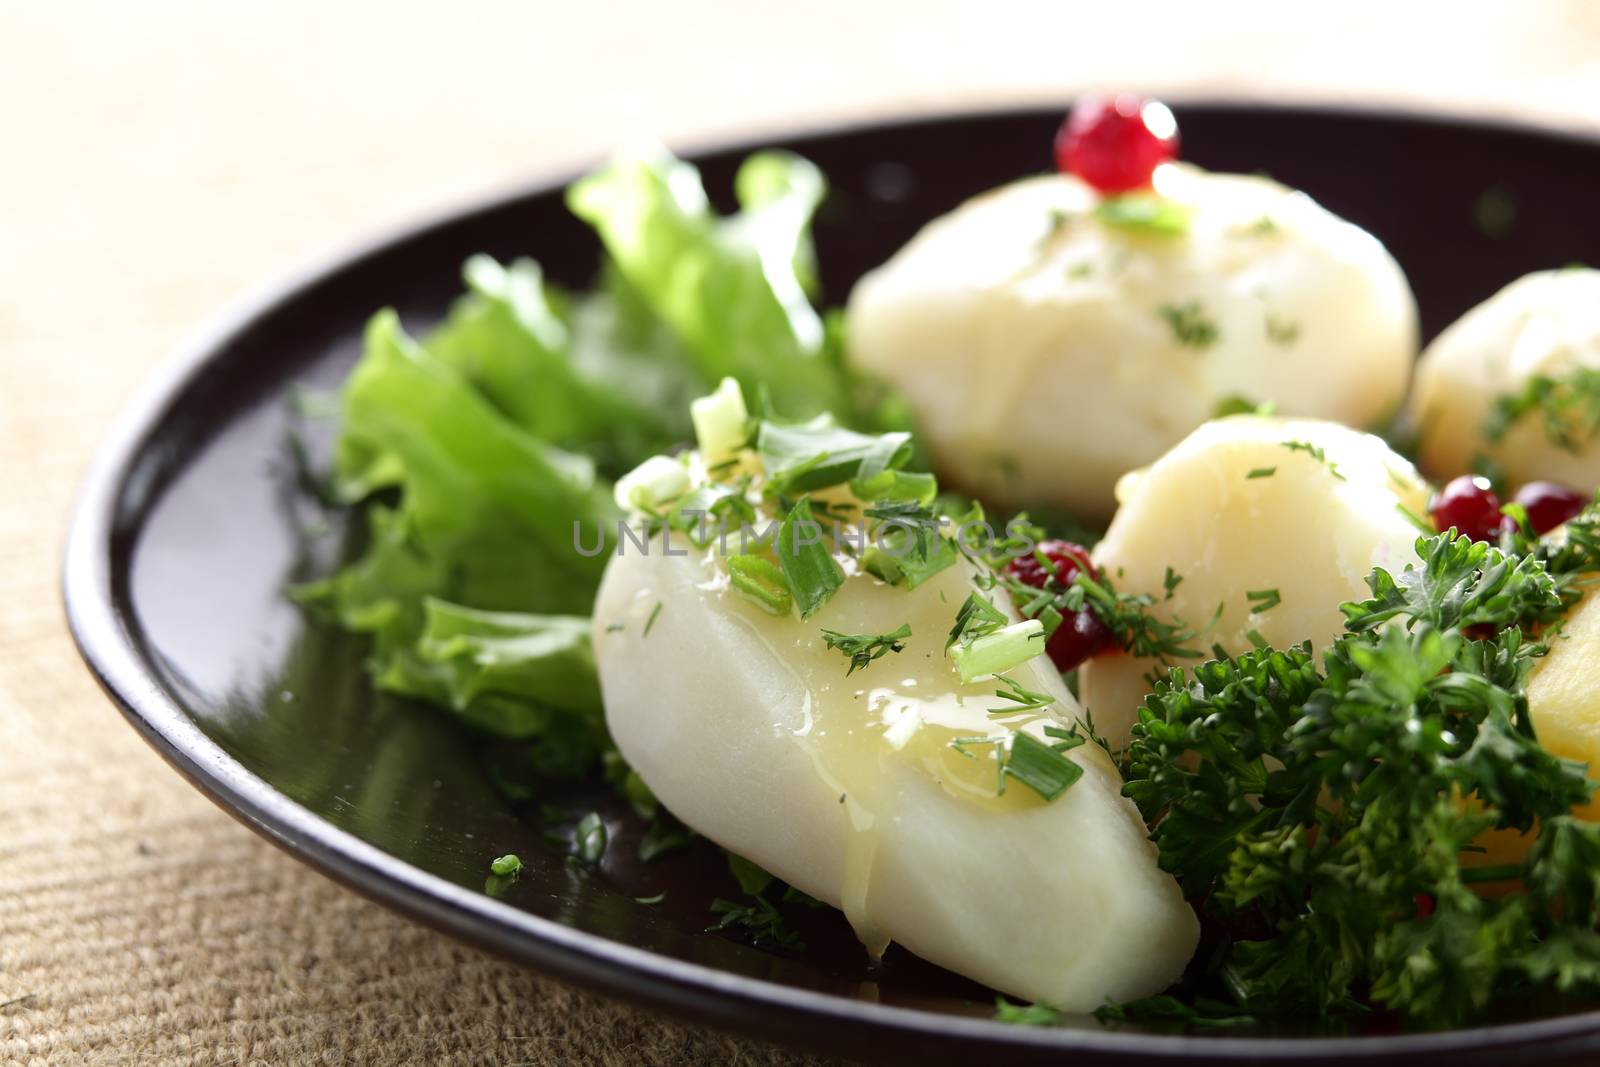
(1568, 406)
(589, 839)
(1239, 404)
(1317, 453)
(820, 453)
(757, 578)
(760, 921)
(1022, 699)
(1190, 325)
(1040, 766)
(1144, 213)
(1126, 615)
(651, 621)
(1261, 472)
(976, 617)
(864, 648)
(907, 546)
(1280, 331)
(1263, 600)
(804, 558)
(1325, 797)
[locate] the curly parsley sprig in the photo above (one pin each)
(1331, 806)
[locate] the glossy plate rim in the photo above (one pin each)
(105, 639)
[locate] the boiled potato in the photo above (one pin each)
(747, 727)
(1046, 353)
(1543, 326)
(1276, 521)
(1564, 692)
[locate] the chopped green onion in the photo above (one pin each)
(1025, 1014)
(999, 651)
(812, 573)
(589, 842)
(720, 422)
(1263, 599)
(1262, 472)
(1040, 767)
(507, 866)
(820, 453)
(907, 547)
(1143, 213)
(762, 582)
(976, 617)
(651, 621)
(657, 481)
(897, 485)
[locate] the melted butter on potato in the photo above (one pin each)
(1047, 353)
(747, 727)
(1295, 510)
(1546, 325)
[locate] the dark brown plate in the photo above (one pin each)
(192, 524)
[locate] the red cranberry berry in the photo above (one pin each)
(1548, 504)
(1116, 142)
(1469, 504)
(1081, 635)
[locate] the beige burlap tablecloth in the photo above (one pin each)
(157, 158)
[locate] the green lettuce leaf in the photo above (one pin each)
(618, 403)
(732, 289)
(485, 518)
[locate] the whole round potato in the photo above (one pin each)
(1516, 380)
(1050, 341)
(1251, 528)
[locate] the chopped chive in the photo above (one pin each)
(820, 453)
(1143, 213)
(999, 651)
(1263, 599)
(657, 481)
(1262, 472)
(975, 618)
(897, 485)
(589, 841)
(507, 866)
(1025, 1014)
(720, 421)
(811, 571)
(762, 582)
(1040, 767)
(651, 621)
